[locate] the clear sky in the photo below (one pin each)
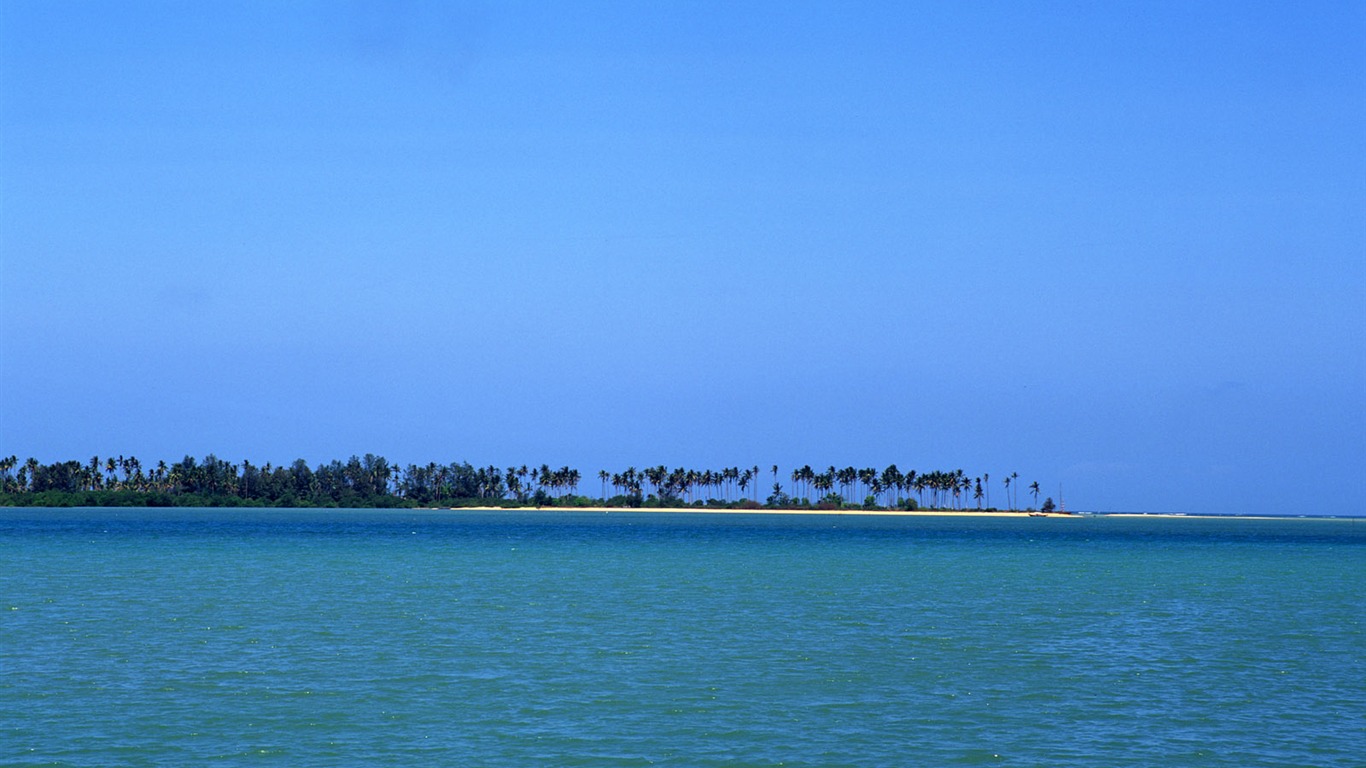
(1117, 247)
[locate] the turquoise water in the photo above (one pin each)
(182, 637)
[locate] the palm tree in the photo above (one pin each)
(802, 483)
(1034, 489)
(94, 473)
(7, 465)
(1008, 492)
(891, 481)
(869, 477)
(1016, 477)
(28, 474)
(824, 482)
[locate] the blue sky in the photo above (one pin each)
(1117, 247)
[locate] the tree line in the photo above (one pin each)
(373, 481)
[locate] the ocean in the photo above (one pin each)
(356, 637)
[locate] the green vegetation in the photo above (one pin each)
(372, 481)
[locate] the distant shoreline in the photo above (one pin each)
(883, 512)
(764, 511)
(373, 482)
(713, 510)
